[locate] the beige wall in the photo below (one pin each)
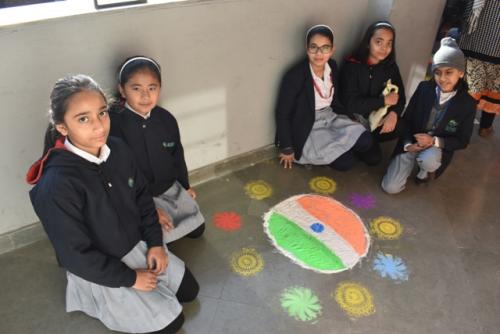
(221, 60)
(417, 23)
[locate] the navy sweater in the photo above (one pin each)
(95, 214)
(156, 145)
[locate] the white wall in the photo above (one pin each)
(417, 23)
(222, 61)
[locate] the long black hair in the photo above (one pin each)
(64, 89)
(363, 51)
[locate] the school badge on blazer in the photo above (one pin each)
(169, 144)
(131, 182)
(451, 126)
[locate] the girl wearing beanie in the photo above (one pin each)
(439, 120)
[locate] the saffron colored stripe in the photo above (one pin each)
(293, 211)
(339, 218)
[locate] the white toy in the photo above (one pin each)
(377, 115)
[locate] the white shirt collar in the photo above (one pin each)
(444, 97)
(103, 154)
(326, 74)
(326, 87)
(135, 112)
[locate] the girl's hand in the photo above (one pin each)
(391, 99)
(191, 193)
(145, 280)
(414, 148)
(157, 259)
(389, 122)
(165, 220)
(424, 140)
(286, 160)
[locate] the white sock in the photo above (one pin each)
(422, 174)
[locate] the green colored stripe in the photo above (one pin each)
(303, 246)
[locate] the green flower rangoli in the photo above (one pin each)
(301, 303)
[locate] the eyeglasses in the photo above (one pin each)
(313, 48)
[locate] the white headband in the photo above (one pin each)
(318, 26)
(134, 59)
(385, 24)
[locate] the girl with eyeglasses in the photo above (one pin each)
(312, 126)
(364, 76)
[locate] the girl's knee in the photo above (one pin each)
(372, 156)
(173, 327)
(429, 163)
(342, 165)
(198, 232)
(364, 142)
(390, 186)
(189, 288)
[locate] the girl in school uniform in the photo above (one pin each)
(153, 135)
(439, 121)
(364, 77)
(94, 205)
(313, 127)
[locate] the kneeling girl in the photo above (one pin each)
(439, 120)
(153, 136)
(312, 125)
(94, 205)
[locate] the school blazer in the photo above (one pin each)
(156, 145)
(94, 214)
(361, 86)
(455, 128)
(295, 108)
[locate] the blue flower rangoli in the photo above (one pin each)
(393, 267)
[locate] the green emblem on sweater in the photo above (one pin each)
(169, 144)
(451, 126)
(131, 182)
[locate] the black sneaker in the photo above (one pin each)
(430, 176)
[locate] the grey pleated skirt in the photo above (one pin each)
(331, 136)
(127, 309)
(183, 209)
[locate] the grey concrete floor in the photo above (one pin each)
(450, 245)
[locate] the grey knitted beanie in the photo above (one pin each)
(449, 55)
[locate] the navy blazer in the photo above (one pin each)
(156, 145)
(362, 86)
(455, 128)
(95, 214)
(295, 109)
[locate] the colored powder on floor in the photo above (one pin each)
(301, 245)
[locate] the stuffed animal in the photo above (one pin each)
(377, 115)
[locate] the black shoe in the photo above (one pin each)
(430, 176)
(419, 181)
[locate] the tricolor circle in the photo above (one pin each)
(318, 233)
